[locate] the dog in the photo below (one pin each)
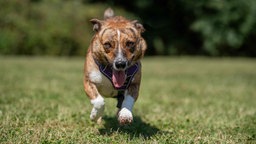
(112, 66)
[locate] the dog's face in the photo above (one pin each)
(118, 42)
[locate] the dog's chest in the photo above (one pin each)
(103, 84)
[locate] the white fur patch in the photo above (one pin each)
(119, 53)
(98, 102)
(98, 108)
(125, 115)
(118, 36)
(95, 76)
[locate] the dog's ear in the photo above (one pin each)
(96, 24)
(138, 26)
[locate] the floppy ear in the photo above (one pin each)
(96, 24)
(138, 26)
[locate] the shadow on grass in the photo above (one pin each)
(138, 128)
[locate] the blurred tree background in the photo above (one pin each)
(173, 27)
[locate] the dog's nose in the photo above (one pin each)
(120, 64)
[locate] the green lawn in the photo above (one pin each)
(182, 100)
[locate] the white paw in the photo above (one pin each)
(125, 116)
(96, 113)
(98, 108)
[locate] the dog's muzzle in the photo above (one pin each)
(120, 64)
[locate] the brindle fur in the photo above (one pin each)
(104, 48)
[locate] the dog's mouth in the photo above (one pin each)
(118, 78)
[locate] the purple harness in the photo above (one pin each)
(130, 72)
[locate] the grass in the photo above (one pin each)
(182, 100)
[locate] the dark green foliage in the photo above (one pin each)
(45, 27)
(61, 27)
(219, 27)
(225, 26)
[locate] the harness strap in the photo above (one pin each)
(107, 70)
(120, 99)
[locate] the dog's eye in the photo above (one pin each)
(130, 44)
(107, 45)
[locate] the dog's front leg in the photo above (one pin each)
(98, 108)
(96, 100)
(125, 113)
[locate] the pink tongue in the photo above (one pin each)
(118, 78)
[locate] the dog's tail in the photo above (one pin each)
(109, 13)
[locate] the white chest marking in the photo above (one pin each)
(95, 76)
(103, 84)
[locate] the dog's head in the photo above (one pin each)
(117, 42)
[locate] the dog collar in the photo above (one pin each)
(130, 72)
